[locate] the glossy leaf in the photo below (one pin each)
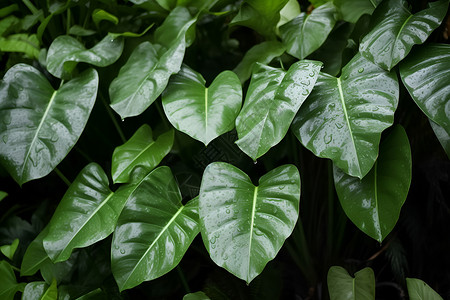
(99, 15)
(202, 112)
(140, 150)
(342, 286)
(262, 53)
(52, 292)
(351, 11)
(40, 125)
(34, 290)
(273, 98)
(373, 203)
(196, 296)
(9, 250)
(443, 136)
(395, 31)
(65, 52)
(35, 256)
(307, 32)
(244, 226)
(87, 214)
(419, 290)
(21, 42)
(8, 282)
(343, 117)
(146, 74)
(288, 12)
(154, 230)
(425, 75)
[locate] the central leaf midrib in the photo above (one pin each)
(137, 156)
(252, 222)
(206, 113)
(398, 34)
(376, 199)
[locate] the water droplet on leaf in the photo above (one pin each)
(5, 139)
(122, 251)
(361, 70)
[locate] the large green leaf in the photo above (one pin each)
(35, 256)
(425, 74)
(342, 286)
(351, 11)
(87, 214)
(202, 112)
(343, 117)
(154, 230)
(419, 290)
(146, 74)
(307, 32)
(373, 203)
(395, 31)
(21, 42)
(273, 98)
(442, 135)
(65, 52)
(140, 150)
(34, 290)
(244, 226)
(8, 282)
(39, 124)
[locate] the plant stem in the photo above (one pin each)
(183, 279)
(113, 119)
(32, 8)
(68, 21)
(61, 175)
(15, 268)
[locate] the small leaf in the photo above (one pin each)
(140, 150)
(196, 296)
(8, 282)
(65, 52)
(288, 12)
(262, 53)
(307, 32)
(351, 11)
(154, 230)
(21, 42)
(3, 195)
(273, 98)
(35, 256)
(342, 286)
(131, 34)
(39, 124)
(373, 203)
(9, 250)
(87, 214)
(202, 112)
(99, 15)
(34, 290)
(244, 226)
(343, 117)
(395, 31)
(419, 290)
(80, 31)
(7, 10)
(52, 292)
(443, 136)
(93, 295)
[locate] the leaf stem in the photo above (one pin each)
(183, 279)
(113, 118)
(15, 268)
(68, 21)
(32, 8)
(61, 175)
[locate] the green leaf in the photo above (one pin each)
(373, 203)
(87, 214)
(34, 290)
(419, 290)
(196, 296)
(343, 117)
(244, 226)
(8, 24)
(39, 124)
(443, 136)
(9, 250)
(130, 34)
(262, 53)
(7, 10)
(140, 150)
(146, 74)
(80, 31)
(395, 31)
(288, 12)
(425, 75)
(317, 3)
(35, 256)
(8, 282)
(307, 32)
(202, 112)
(65, 52)
(342, 286)
(52, 292)
(99, 15)
(351, 11)
(273, 98)
(154, 230)
(260, 15)
(3, 195)
(94, 295)
(21, 42)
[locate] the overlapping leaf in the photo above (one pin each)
(39, 125)
(343, 117)
(244, 226)
(202, 112)
(442, 135)
(373, 203)
(342, 286)
(34, 290)
(8, 283)
(35, 256)
(419, 290)
(351, 11)
(65, 52)
(140, 150)
(307, 32)
(395, 31)
(154, 230)
(273, 98)
(87, 214)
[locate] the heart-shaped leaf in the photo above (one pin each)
(9, 250)
(342, 286)
(273, 98)
(40, 125)
(8, 282)
(307, 32)
(244, 226)
(419, 290)
(146, 74)
(425, 75)
(202, 112)
(343, 117)
(65, 52)
(196, 296)
(442, 135)
(140, 150)
(351, 11)
(373, 203)
(35, 256)
(395, 31)
(154, 230)
(87, 214)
